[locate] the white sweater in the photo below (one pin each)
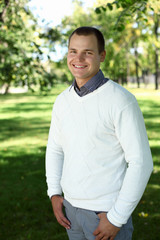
(98, 153)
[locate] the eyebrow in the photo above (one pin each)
(88, 49)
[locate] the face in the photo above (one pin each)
(84, 58)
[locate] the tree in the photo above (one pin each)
(22, 47)
(141, 11)
(156, 17)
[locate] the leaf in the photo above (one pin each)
(129, 1)
(109, 5)
(117, 4)
(98, 10)
(104, 9)
(152, 9)
(120, 28)
(145, 19)
(142, 214)
(127, 21)
(124, 5)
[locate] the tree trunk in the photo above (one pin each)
(6, 88)
(137, 67)
(3, 13)
(156, 52)
(156, 65)
(128, 67)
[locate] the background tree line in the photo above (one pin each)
(131, 30)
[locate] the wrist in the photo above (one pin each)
(114, 223)
(54, 196)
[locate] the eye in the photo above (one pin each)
(72, 51)
(89, 53)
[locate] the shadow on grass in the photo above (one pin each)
(23, 107)
(150, 109)
(25, 209)
(156, 155)
(148, 103)
(20, 126)
(147, 215)
(11, 96)
(149, 205)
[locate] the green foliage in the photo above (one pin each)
(128, 27)
(129, 8)
(21, 47)
(125, 34)
(144, 16)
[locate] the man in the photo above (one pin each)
(98, 153)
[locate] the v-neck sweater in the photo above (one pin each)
(91, 85)
(98, 153)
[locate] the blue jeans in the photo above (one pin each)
(84, 222)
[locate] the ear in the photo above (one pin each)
(103, 55)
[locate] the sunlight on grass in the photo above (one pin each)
(26, 142)
(155, 186)
(154, 143)
(25, 121)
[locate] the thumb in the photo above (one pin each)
(96, 232)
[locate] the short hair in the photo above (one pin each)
(86, 31)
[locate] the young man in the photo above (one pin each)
(98, 153)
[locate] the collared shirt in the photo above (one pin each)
(94, 83)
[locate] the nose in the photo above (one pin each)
(80, 57)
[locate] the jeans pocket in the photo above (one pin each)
(95, 215)
(64, 202)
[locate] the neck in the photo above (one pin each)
(81, 83)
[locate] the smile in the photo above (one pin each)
(79, 66)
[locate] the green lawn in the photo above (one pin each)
(25, 210)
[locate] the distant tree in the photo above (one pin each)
(156, 27)
(22, 44)
(141, 12)
(128, 9)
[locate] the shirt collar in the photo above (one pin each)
(91, 84)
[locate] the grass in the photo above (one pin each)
(25, 211)
(147, 215)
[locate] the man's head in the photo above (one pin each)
(86, 31)
(85, 53)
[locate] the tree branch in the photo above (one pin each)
(3, 13)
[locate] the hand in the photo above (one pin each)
(57, 204)
(105, 230)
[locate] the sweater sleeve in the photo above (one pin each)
(131, 132)
(54, 157)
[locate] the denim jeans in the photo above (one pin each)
(84, 222)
